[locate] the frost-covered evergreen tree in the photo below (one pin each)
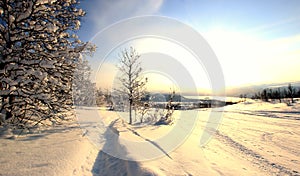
(39, 52)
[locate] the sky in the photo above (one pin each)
(255, 41)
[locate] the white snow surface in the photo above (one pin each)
(57, 151)
(253, 138)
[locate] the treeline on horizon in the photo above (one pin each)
(105, 97)
(279, 94)
(157, 100)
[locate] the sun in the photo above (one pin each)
(237, 54)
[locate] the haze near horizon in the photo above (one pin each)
(256, 42)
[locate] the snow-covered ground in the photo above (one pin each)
(253, 138)
(57, 151)
(257, 138)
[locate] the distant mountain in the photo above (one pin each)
(183, 103)
(164, 97)
(251, 89)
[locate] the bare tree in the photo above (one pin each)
(265, 95)
(278, 94)
(291, 92)
(132, 83)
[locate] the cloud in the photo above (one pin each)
(274, 25)
(103, 13)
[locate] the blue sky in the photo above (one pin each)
(255, 41)
(267, 18)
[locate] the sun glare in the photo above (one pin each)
(246, 58)
(159, 82)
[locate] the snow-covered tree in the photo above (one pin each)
(166, 116)
(133, 84)
(39, 52)
(83, 88)
(104, 98)
(143, 108)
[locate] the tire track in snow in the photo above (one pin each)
(257, 159)
(269, 114)
(268, 137)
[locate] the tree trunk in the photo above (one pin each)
(130, 111)
(9, 109)
(142, 118)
